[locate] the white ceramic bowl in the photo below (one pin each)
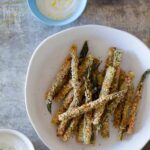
(14, 140)
(46, 61)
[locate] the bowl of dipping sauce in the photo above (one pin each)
(57, 12)
(14, 140)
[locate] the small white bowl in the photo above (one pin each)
(51, 22)
(14, 140)
(45, 63)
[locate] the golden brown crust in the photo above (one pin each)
(104, 91)
(55, 119)
(126, 111)
(137, 98)
(79, 135)
(119, 106)
(87, 125)
(60, 78)
(68, 86)
(104, 130)
(90, 106)
(109, 59)
(116, 64)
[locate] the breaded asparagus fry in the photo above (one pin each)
(117, 56)
(87, 129)
(117, 107)
(122, 77)
(125, 85)
(55, 119)
(116, 65)
(109, 59)
(64, 123)
(93, 137)
(68, 86)
(137, 98)
(70, 129)
(90, 106)
(68, 99)
(79, 136)
(61, 78)
(76, 93)
(104, 130)
(104, 91)
(100, 78)
(75, 101)
(62, 126)
(75, 77)
(75, 84)
(125, 113)
(118, 115)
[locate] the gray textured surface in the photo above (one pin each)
(20, 33)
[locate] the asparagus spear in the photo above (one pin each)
(124, 86)
(117, 56)
(137, 98)
(75, 101)
(79, 136)
(95, 85)
(75, 77)
(116, 65)
(93, 136)
(62, 126)
(90, 106)
(75, 85)
(125, 113)
(66, 104)
(118, 115)
(100, 78)
(117, 107)
(105, 126)
(61, 78)
(104, 91)
(55, 119)
(67, 87)
(109, 59)
(68, 99)
(66, 123)
(70, 129)
(87, 126)
(122, 77)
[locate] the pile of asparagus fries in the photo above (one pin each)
(90, 97)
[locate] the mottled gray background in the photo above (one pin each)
(20, 33)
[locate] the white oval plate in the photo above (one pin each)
(14, 140)
(45, 63)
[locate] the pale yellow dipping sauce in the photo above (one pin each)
(57, 9)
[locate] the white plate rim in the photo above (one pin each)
(66, 30)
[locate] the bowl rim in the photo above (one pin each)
(51, 22)
(51, 36)
(20, 135)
